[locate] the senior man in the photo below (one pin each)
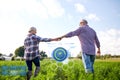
(31, 54)
(88, 38)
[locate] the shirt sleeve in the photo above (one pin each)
(73, 33)
(40, 39)
(97, 41)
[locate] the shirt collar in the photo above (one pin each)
(85, 26)
(30, 34)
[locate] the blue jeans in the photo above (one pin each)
(36, 61)
(88, 61)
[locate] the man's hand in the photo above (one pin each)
(98, 52)
(56, 39)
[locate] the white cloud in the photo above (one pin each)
(80, 8)
(53, 7)
(70, 17)
(92, 17)
(118, 15)
(69, 0)
(110, 41)
(43, 8)
(30, 7)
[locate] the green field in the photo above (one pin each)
(73, 70)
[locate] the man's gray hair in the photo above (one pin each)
(85, 21)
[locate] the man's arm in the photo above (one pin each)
(98, 45)
(71, 34)
(55, 39)
(47, 39)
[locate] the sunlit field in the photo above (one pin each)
(73, 70)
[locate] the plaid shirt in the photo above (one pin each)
(31, 45)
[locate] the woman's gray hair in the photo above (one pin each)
(32, 29)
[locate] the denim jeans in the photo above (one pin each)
(88, 61)
(36, 61)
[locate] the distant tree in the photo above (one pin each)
(99, 57)
(79, 55)
(19, 51)
(10, 55)
(116, 56)
(0, 54)
(43, 55)
(106, 56)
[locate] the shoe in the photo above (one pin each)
(37, 70)
(29, 74)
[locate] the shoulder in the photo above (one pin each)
(31, 36)
(82, 29)
(34, 36)
(93, 31)
(90, 28)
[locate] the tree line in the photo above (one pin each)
(20, 52)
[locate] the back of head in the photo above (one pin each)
(32, 29)
(85, 21)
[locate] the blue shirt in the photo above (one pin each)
(87, 37)
(31, 45)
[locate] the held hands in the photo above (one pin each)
(56, 39)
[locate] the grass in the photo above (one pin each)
(73, 70)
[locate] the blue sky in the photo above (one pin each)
(54, 18)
